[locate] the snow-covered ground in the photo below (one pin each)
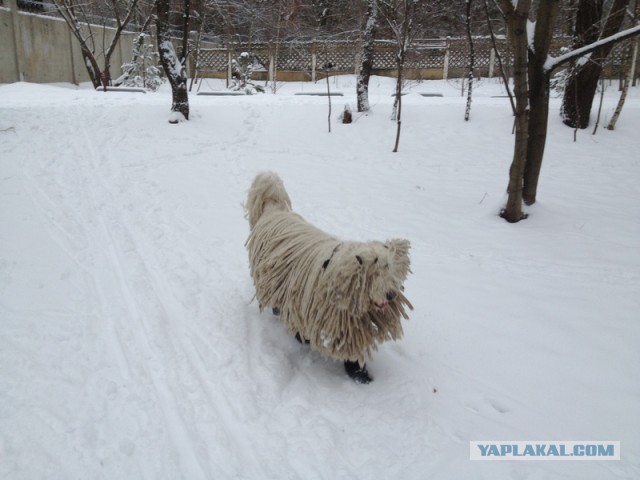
(131, 346)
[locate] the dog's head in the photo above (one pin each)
(371, 275)
(267, 191)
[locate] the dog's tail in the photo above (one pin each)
(267, 192)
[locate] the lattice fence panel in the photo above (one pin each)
(429, 54)
(458, 58)
(482, 56)
(384, 58)
(341, 59)
(261, 57)
(425, 58)
(213, 60)
(617, 59)
(294, 58)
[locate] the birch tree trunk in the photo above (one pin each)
(472, 61)
(366, 67)
(629, 74)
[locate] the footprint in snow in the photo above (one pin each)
(497, 405)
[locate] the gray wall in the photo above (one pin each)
(41, 49)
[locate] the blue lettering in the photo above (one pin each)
(605, 451)
(529, 451)
(483, 449)
(505, 449)
(540, 450)
(493, 451)
(553, 451)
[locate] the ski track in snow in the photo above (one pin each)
(142, 353)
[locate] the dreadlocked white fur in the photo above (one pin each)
(343, 297)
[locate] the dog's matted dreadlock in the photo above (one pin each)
(341, 297)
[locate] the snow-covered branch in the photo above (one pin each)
(554, 62)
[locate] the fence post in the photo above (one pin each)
(229, 68)
(17, 45)
(191, 63)
(272, 67)
(445, 73)
(492, 59)
(314, 60)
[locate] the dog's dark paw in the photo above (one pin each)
(357, 373)
(303, 341)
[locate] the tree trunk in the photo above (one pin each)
(539, 86)
(633, 50)
(367, 56)
(583, 82)
(404, 40)
(517, 18)
(93, 69)
(625, 86)
(173, 66)
(397, 107)
(503, 73)
(472, 61)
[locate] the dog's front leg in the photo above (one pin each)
(358, 373)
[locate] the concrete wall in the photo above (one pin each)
(41, 49)
(8, 69)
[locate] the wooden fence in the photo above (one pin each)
(426, 60)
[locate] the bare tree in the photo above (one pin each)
(532, 70)
(399, 15)
(503, 73)
(593, 22)
(630, 69)
(74, 14)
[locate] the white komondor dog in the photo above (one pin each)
(341, 297)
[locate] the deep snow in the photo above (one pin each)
(131, 346)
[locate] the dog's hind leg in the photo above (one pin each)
(357, 373)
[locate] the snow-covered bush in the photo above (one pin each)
(143, 70)
(243, 67)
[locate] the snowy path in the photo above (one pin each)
(130, 346)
